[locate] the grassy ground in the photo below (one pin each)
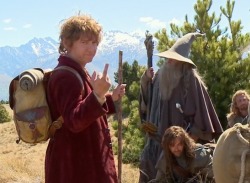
(23, 163)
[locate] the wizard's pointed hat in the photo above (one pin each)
(181, 48)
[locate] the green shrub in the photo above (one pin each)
(133, 137)
(4, 115)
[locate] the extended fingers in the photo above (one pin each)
(105, 71)
(93, 77)
(101, 76)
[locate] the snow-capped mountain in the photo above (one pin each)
(43, 52)
(35, 53)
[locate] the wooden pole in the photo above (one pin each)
(119, 117)
(149, 44)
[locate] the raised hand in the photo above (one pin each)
(150, 72)
(101, 82)
(118, 92)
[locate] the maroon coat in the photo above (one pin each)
(81, 151)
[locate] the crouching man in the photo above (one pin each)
(182, 159)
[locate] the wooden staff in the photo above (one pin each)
(119, 117)
(149, 44)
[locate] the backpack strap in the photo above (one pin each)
(12, 89)
(72, 71)
(57, 124)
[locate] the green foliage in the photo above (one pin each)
(4, 102)
(218, 56)
(133, 139)
(131, 76)
(134, 89)
(4, 115)
(125, 106)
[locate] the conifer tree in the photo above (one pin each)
(218, 55)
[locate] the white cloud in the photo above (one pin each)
(9, 28)
(7, 20)
(175, 21)
(153, 23)
(26, 26)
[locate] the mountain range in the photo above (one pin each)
(43, 53)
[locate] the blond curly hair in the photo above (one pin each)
(76, 27)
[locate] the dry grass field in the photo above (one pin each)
(24, 163)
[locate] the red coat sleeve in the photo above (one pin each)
(78, 106)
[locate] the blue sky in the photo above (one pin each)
(22, 20)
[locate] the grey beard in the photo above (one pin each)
(169, 78)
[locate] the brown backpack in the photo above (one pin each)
(28, 100)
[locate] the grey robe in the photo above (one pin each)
(198, 115)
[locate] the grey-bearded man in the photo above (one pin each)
(175, 95)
